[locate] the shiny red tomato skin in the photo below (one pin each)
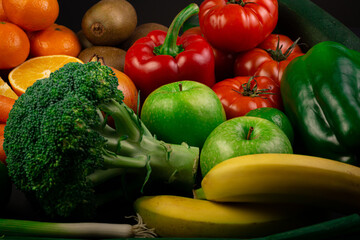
(272, 40)
(236, 104)
(258, 62)
(234, 27)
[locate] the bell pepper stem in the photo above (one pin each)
(170, 47)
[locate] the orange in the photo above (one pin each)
(23, 76)
(127, 86)
(6, 90)
(3, 16)
(2, 151)
(14, 45)
(31, 15)
(54, 40)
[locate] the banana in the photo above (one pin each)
(284, 178)
(176, 216)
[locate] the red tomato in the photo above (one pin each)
(269, 59)
(237, 25)
(239, 95)
(224, 61)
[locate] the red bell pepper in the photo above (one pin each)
(224, 61)
(161, 58)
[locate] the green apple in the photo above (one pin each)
(242, 136)
(276, 116)
(184, 111)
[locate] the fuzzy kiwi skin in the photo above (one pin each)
(141, 31)
(85, 43)
(113, 56)
(109, 22)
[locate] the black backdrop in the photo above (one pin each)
(163, 11)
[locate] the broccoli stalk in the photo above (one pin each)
(139, 149)
(62, 153)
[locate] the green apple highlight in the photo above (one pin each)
(242, 136)
(184, 111)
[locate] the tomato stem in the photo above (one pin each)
(249, 91)
(278, 55)
(251, 129)
(240, 2)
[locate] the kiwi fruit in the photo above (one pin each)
(85, 43)
(113, 56)
(109, 22)
(141, 31)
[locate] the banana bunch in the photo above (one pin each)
(256, 195)
(284, 178)
(176, 216)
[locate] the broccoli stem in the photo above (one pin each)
(131, 146)
(126, 121)
(100, 176)
(14, 227)
(118, 161)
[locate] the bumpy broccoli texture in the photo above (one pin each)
(60, 146)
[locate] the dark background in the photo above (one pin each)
(163, 11)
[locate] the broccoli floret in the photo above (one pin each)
(60, 147)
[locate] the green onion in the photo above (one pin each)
(15, 227)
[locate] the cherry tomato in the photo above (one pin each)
(241, 94)
(269, 59)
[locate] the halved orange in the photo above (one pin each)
(6, 90)
(24, 75)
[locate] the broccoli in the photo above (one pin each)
(62, 152)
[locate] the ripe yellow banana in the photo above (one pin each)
(284, 178)
(175, 216)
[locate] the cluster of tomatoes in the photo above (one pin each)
(249, 58)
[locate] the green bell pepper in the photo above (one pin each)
(320, 91)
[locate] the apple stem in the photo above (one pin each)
(180, 87)
(251, 129)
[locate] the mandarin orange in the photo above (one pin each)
(31, 15)
(3, 16)
(54, 40)
(127, 86)
(14, 45)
